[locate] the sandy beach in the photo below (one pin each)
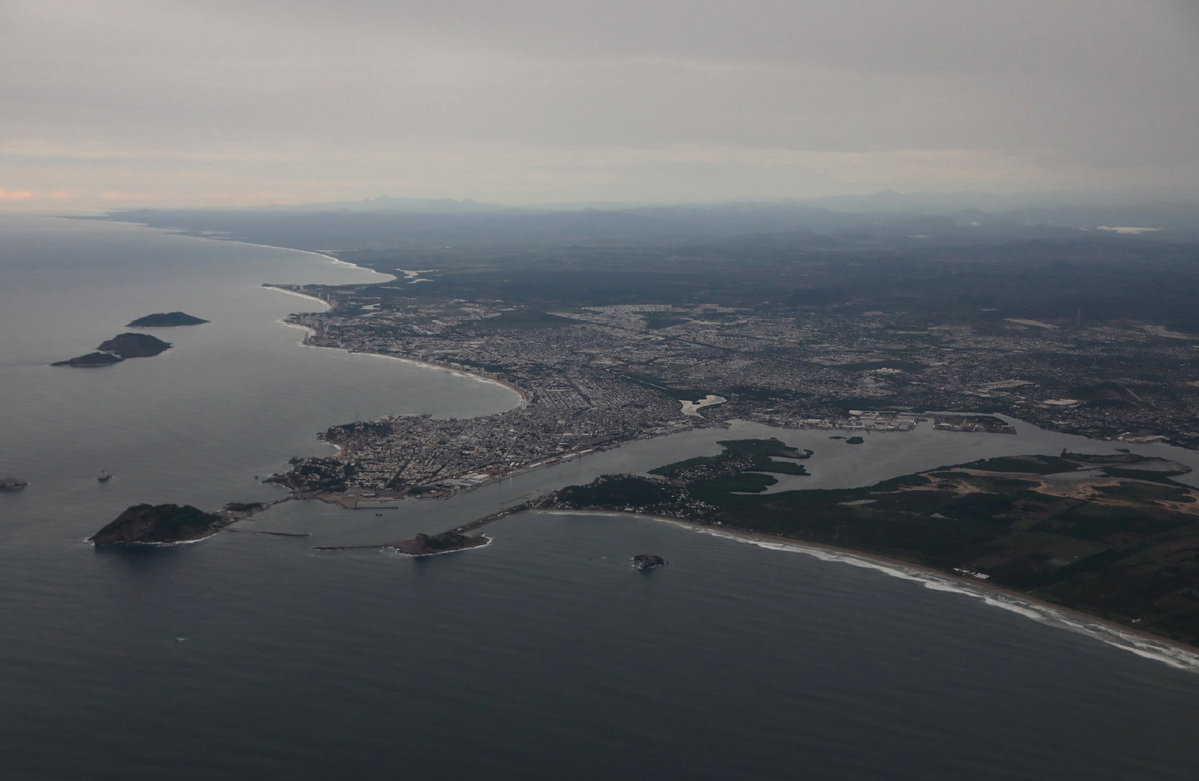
(1150, 646)
(1175, 654)
(306, 342)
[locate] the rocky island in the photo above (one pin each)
(644, 561)
(90, 360)
(167, 524)
(166, 320)
(446, 542)
(129, 345)
(117, 349)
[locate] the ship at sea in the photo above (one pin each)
(103, 477)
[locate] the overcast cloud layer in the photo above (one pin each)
(107, 103)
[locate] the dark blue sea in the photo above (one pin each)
(543, 655)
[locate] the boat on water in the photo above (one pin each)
(103, 477)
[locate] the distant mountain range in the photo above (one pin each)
(888, 215)
(388, 204)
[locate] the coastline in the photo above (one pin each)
(524, 396)
(1172, 653)
(297, 294)
(799, 655)
(338, 261)
(305, 342)
(326, 256)
(232, 240)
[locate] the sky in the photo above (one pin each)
(109, 104)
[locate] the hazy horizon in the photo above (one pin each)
(127, 104)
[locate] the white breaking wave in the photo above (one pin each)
(1141, 645)
(1118, 637)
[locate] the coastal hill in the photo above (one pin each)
(431, 544)
(166, 320)
(446, 542)
(169, 523)
(163, 523)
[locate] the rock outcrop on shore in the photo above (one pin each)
(162, 523)
(166, 320)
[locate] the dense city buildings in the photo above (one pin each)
(595, 376)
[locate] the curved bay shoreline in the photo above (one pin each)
(1152, 646)
(522, 394)
(1155, 647)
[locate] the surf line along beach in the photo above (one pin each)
(1145, 644)
(907, 566)
(309, 333)
(1174, 654)
(1129, 638)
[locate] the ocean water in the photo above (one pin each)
(542, 655)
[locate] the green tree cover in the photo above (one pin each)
(1128, 551)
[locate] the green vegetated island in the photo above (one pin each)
(133, 345)
(168, 524)
(172, 524)
(1109, 535)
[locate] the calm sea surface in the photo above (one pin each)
(544, 655)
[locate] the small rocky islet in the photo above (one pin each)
(12, 483)
(166, 320)
(644, 561)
